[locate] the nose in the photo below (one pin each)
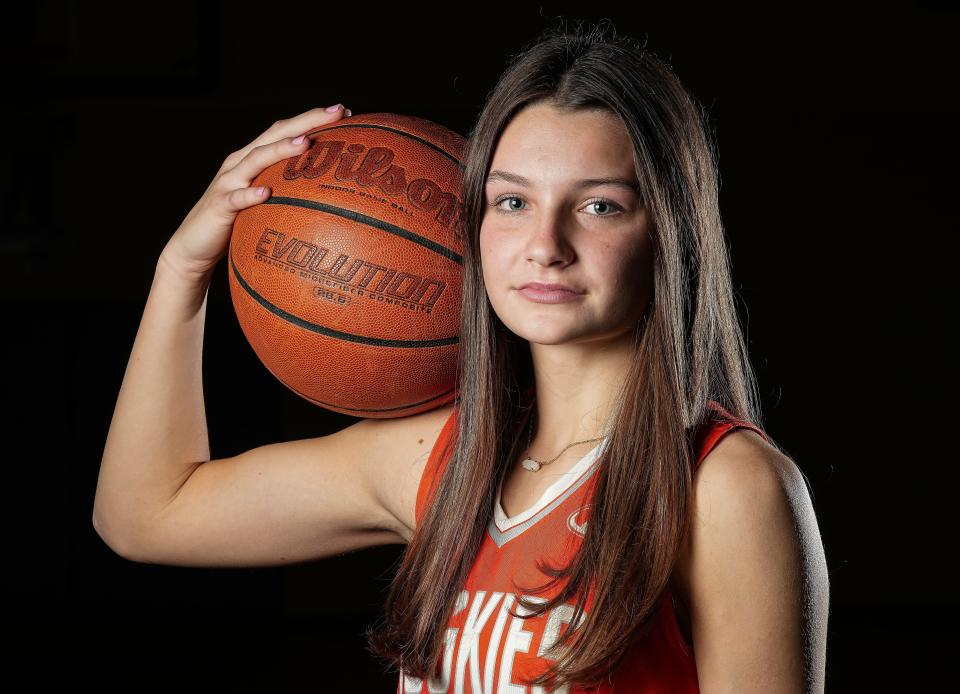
(548, 243)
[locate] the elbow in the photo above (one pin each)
(113, 538)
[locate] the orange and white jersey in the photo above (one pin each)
(489, 651)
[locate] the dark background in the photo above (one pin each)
(838, 166)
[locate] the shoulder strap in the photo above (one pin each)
(720, 423)
(436, 463)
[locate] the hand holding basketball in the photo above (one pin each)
(203, 237)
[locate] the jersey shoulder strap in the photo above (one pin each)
(436, 463)
(719, 423)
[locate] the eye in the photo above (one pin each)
(504, 198)
(604, 201)
(596, 201)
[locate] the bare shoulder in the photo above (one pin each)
(745, 479)
(742, 475)
(742, 465)
(752, 570)
(402, 447)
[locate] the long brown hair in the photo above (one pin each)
(688, 350)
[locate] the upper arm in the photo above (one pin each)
(755, 572)
(297, 500)
(395, 482)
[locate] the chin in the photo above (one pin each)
(546, 335)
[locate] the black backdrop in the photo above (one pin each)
(838, 173)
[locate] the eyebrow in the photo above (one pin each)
(516, 179)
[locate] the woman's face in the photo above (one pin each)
(542, 223)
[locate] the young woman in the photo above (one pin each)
(599, 509)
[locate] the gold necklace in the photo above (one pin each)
(532, 464)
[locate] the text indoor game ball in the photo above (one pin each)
(347, 281)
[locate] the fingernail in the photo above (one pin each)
(331, 109)
(298, 140)
(348, 112)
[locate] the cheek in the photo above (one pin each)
(482, 243)
(630, 265)
(490, 250)
(640, 268)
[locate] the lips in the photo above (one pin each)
(546, 287)
(549, 292)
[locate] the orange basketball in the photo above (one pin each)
(347, 281)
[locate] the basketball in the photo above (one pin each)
(347, 280)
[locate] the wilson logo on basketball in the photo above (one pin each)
(577, 521)
(375, 170)
(358, 273)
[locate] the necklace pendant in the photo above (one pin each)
(531, 465)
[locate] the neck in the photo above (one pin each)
(575, 447)
(574, 391)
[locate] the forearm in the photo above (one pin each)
(158, 433)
